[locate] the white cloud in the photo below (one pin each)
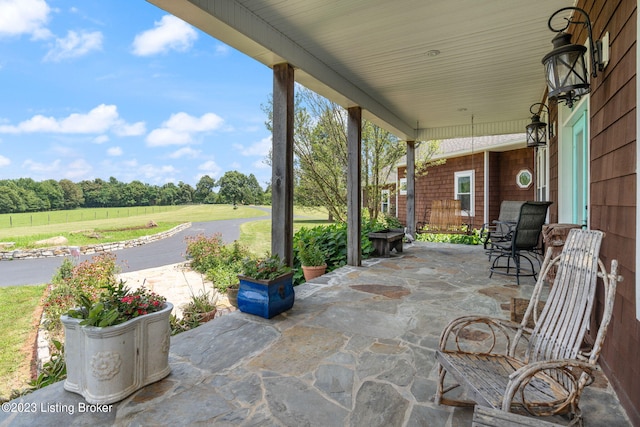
(210, 168)
(38, 167)
(170, 33)
(185, 152)
(260, 148)
(100, 139)
(222, 49)
(163, 136)
(4, 161)
(180, 127)
(99, 120)
(24, 17)
(187, 123)
(114, 151)
(157, 174)
(135, 129)
(260, 164)
(74, 45)
(78, 169)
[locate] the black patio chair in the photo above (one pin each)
(500, 230)
(524, 242)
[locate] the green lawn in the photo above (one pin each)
(256, 235)
(17, 307)
(77, 224)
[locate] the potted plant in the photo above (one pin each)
(116, 344)
(266, 286)
(312, 259)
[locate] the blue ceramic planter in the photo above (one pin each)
(266, 298)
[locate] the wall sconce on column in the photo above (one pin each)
(537, 130)
(565, 66)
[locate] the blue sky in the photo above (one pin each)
(94, 89)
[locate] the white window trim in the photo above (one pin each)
(402, 185)
(523, 172)
(468, 173)
(388, 201)
(542, 174)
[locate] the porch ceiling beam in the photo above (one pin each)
(230, 22)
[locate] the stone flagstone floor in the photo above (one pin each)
(357, 349)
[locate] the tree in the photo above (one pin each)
(9, 199)
(254, 193)
(236, 187)
(320, 152)
(381, 151)
(72, 194)
(168, 194)
(204, 189)
(185, 193)
(94, 196)
(51, 192)
(320, 148)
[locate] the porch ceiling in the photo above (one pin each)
(376, 54)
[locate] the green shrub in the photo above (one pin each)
(224, 275)
(52, 371)
(463, 239)
(310, 254)
(218, 262)
(332, 241)
(193, 313)
(267, 268)
(391, 221)
(204, 252)
(87, 278)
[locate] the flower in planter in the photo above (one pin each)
(115, 305)
(267, 268)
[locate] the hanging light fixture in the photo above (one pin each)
(565, 66)
(537, 130)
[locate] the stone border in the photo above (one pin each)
(89, 249)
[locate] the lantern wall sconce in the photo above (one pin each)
(566, 69)
(537, 130)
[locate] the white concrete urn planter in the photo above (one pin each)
(105, 365)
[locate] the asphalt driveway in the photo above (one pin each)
(162, 252)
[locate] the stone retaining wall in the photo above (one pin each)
(89, 249)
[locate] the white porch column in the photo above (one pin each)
(282, 163)
(354, 186)
(411, 187)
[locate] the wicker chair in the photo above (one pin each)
(542, 370)
(524, 243)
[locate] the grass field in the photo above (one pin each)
(18, 324)
(76, 225)
(256, 235)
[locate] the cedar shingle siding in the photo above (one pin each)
(613, 185)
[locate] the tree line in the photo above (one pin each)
(28, 195)
(321, 161)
